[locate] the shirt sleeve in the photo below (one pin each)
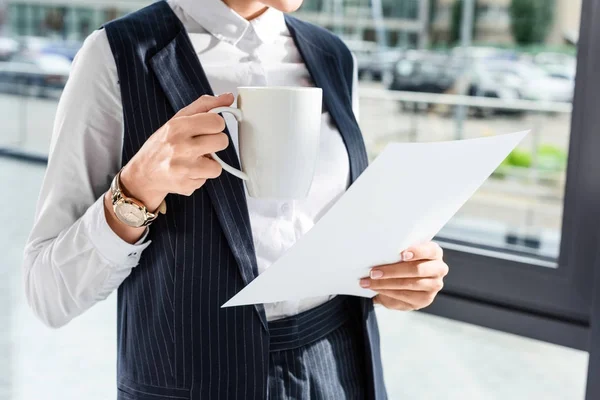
(73, 259)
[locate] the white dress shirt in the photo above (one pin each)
(73, 259)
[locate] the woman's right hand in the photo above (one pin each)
(174, 159)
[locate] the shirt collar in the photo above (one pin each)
(227, 25)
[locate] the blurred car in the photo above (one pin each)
(43, 75)
(533, 82)
(65, 48)
(8, 47)
(550, 58)
(32, 44)
(557, 65)
(374, 62)
(566, 72)
(380, 65)
(425, 72)
(486, 82)
(476, 53)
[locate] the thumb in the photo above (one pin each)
(206, 103)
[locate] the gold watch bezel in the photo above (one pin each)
(119, 200)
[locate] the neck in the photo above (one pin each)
(248, 9)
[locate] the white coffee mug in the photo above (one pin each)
(278, 134)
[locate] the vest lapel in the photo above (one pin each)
(326, 73)
(183, 80)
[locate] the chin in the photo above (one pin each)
(286, 6)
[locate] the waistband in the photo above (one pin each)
(309, 326)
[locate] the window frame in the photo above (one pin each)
(556, 302)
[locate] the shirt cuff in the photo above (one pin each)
(108, 244)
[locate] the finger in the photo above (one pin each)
(414, 300)
(412, 284)
(393, 304)
(206, 144)
(425, 251)
(206, 103)
(413, 269)
(201, 124)
(205, 168)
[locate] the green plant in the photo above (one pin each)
(519, 158)
(531, 20)
(551, 158)
(516, 158)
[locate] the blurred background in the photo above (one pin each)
(429, 70)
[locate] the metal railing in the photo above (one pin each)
(469, 101)
(541, 109)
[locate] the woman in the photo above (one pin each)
(128, 149)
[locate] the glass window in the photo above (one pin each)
(520, 207)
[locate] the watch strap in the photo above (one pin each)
(119, 196)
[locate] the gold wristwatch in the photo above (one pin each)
(130, 211)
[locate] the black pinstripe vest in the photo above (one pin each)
(174, 340)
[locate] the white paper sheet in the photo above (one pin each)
(403, 198)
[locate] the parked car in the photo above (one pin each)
(550, 58)
(8, 47)
(424, 72)
(32, 44)
(557, 65)
(65, 48)
(380, 65)
(481, 53)
(561, 71)
(532, 81)
(43, 75)
(374, 62)
(486, 82)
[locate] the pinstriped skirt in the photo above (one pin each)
(330, 367)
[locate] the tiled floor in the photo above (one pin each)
(425, 357)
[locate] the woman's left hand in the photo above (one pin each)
(411, 284)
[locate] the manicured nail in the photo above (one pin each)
(376, 274)
(408, 255)
(365, 282)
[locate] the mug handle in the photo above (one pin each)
(237, 113)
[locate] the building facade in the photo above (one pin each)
(494, 23)
(393, 23)
(390, 23)
(63, 19)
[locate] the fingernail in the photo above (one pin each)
(226, 94)
(408, 255)
(365, 282)
(376, 274)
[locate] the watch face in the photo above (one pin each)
(130, 214)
